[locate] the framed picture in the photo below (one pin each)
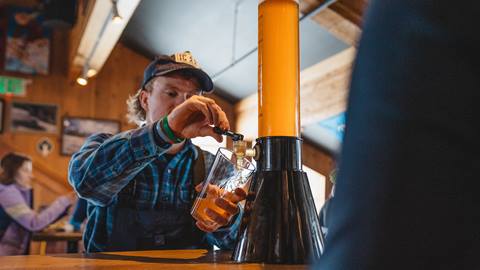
(2, 113)
(27, 43)
(32, 117)
(75, 130)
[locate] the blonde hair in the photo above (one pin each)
(135, 113)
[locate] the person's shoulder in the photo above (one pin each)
(95, 139)
(8, 188)
(99, 136)
(7, 192)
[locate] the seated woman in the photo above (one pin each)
(17, 218)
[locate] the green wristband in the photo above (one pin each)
(169, 131)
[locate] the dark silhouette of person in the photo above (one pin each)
(407, 194)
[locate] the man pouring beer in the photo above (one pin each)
(140, 184)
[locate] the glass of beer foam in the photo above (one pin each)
(225, 175)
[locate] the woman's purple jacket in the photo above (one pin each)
(16, 201)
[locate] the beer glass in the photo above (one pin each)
(225, 175)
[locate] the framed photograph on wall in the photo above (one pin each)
(75, 130)
(2, 114)
(27, 41)
(33, 117)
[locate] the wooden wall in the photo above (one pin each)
(98, 99)
(104, 97)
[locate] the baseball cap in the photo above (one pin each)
(164, 64)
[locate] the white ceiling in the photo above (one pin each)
(206, 28)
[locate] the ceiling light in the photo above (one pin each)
(91, 72)
(82, 81)
(101, 34)
(83, 78)
(116, 15)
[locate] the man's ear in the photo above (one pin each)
(143, 98)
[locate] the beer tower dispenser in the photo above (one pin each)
(280, 224)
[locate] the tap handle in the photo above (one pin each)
(233, 135)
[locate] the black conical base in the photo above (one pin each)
(280, 223)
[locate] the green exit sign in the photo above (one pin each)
(12, 85)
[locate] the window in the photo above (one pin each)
(317, 185)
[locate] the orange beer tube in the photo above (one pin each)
(278, 71)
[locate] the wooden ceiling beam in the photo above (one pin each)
(351, 10)
(324, 87)
(338, 26)
(343, 19)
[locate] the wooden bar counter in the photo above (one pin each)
(159, 259)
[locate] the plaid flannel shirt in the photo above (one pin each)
(107, 163)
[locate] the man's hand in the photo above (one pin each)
(194, 117)
(227, 207)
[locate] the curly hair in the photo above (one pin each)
(135, 112)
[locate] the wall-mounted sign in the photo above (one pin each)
(13, 86)
(44, 147)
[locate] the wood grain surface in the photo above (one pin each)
(160, 259)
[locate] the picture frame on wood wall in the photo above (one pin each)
(33, 118)
(75, 130)
(2, 114)
(27, 41)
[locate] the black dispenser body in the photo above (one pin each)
(280, 223)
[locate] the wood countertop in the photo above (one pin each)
(158, 259)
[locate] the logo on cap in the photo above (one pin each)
(186, 58)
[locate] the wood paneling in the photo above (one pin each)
(343, 19)
(338, 26)
(351, 10)
(324, 87)
(103, 101)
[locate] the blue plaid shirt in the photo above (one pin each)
(107, 163)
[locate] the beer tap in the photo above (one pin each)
(240, 148)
